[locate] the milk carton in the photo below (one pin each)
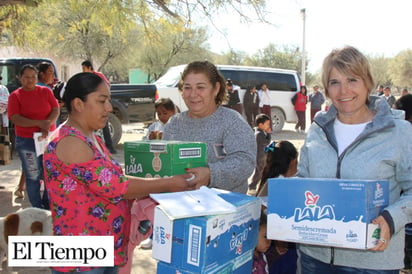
(330, 212)
(242, 264)
(220, 233)
(159, 158)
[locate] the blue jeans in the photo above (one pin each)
(33, 169)
(99, 270)
(310, 265)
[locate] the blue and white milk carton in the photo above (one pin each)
(205, 231)
(242, 264)
(330, 212)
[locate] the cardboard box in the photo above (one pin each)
(330, 212)
(239, 265)
(158, 158)
(200, 244)
(5, 154)
(4, 139)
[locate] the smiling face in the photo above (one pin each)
(349, 95)
(199, 95)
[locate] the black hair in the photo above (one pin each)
(43, 66)
(27, 66)
(263, 218)
(261, 118)
(57, 89)
(88, 64)
(278, 160)
(250, 87)
(405, 103)
(306, 89)
(167, 103)
(79, 86)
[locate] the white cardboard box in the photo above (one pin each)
(240, 265)
(204, 241)
(330, 212)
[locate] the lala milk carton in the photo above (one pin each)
(160, 158)
(242, 264)
(205, 231)
(330, 212)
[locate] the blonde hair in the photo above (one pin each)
(348, 61)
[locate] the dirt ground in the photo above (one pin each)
(142, 259)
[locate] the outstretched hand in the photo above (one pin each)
(182, 183)
(200, 176)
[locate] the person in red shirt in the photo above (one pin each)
(300, 99)
(32, 108)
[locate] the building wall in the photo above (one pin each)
(66, 67)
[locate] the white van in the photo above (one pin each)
(283, 84)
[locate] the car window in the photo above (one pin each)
(9, 74)
(274, 80)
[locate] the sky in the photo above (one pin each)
(375, 27)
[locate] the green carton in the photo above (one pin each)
(159, 158)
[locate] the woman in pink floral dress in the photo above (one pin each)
(87, 188)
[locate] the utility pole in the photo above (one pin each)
(303, 76)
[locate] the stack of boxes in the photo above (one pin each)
(210, 243)
(5, 153)
(216, 243)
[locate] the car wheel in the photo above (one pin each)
(278, 120)
(115, 127)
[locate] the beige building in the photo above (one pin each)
(65, 67)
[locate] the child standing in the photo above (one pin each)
(260, 263)
(281, 161)
(299, 100)
(165, 108)
(251, 105)
(263, 137)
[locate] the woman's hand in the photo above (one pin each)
(200, 176)
(181, 183)
(44, 125)
(155, 135)
(385, 235)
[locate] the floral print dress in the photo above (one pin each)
(87, 198)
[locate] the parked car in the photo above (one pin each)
(131, 103)
(283, 84)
